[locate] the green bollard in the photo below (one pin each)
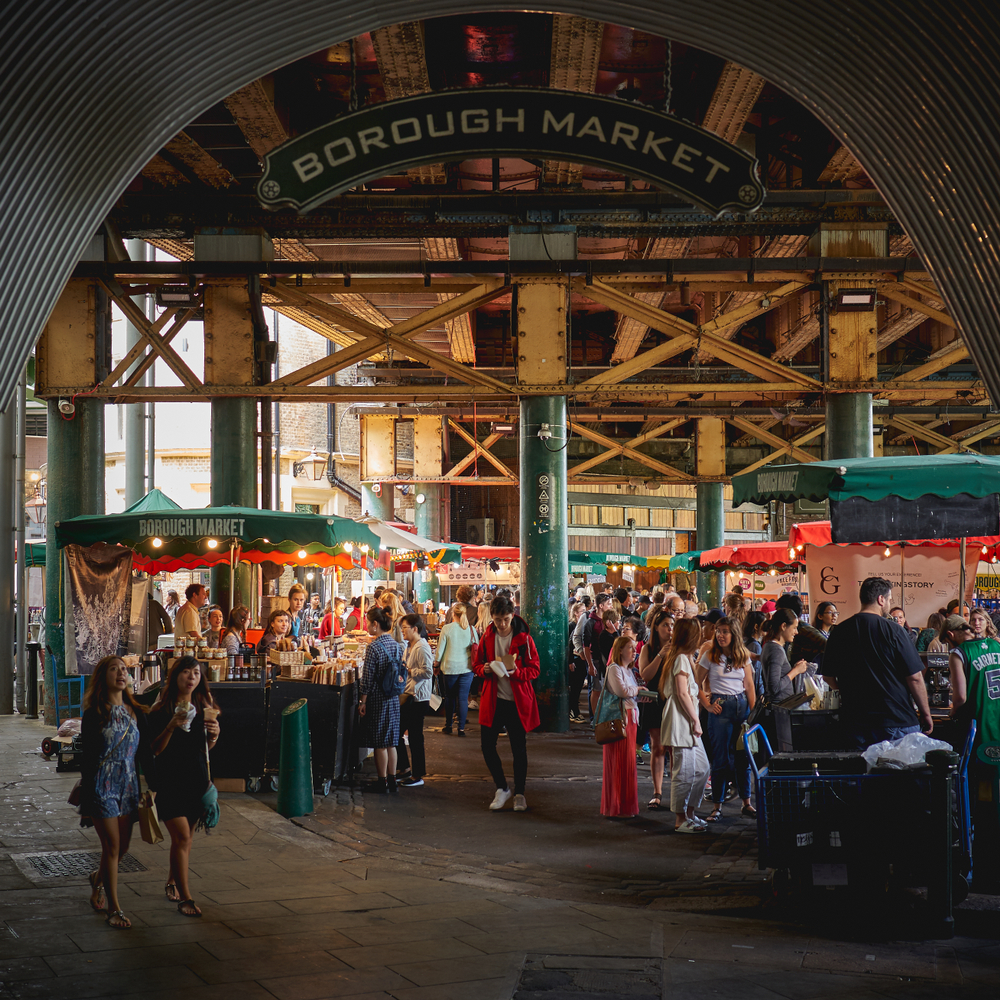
(295, 784)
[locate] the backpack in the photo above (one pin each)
(394, 678)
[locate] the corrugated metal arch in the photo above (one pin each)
(92, 88)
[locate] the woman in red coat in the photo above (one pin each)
(508, 697)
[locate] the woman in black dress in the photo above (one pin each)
(113, 732)
(184, 728)
(651, 660)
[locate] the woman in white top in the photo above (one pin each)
(414, 702)
(454, 660)
(620, 784)
(681, 730)
(727, 693)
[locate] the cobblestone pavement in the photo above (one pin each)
(359, 913)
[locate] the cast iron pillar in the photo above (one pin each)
(74, 485)
(379, 504)
(74, 348)
(135, 413)
(849, 428)
(710, 458)
(852, 341)
(230, 360)
(541, 322)
(8, 451)
(711, 534)
(428, 519)
(545, 548)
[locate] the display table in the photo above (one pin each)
(243, 728)
(332, 711)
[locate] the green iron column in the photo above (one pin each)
(542, 337)
(545, 548)
(234, 481)
(73, 349)
(849, 427)
(230, 360)
(429, 522)
(711, 534)
(710, 456)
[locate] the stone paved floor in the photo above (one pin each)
(350, 913)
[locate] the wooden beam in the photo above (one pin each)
(481, 449)
(405, 330)
(951, 355)
(756, 308)
(657, 319)
(787, 448)
(890, 293)
(139, 320)
(772, 439)
(638, 456)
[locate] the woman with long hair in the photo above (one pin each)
(982, 624)
(825, 618)
(727, 692)
(930, 632)
(483, 617)
(113, 732)
(735, 609)
(380, 711)
(681, 728)
(575, 665)
(781, 679)
(184, 729)
(619, 782)
(279, 625)
(651, 661)
(392, 604)
(414, 701)
(454, 661)
(236, 630)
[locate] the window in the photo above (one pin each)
(36, 423)
(307, 508)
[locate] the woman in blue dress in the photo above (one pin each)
(113, 732)
(379, 711)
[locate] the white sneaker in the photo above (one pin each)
(520, 804)
(501, 798)
(688, 827)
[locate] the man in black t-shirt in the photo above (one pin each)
(878, 671)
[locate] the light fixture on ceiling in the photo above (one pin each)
(503, 428)
(854, 300)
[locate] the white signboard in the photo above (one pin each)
(929, 576)
(454, 576)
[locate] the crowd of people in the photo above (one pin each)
(679, 680)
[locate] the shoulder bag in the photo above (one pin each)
(609, 719)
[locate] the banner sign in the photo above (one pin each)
(485, 123)
(453, 576)
(929, 576)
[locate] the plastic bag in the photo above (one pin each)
(71, 727)
(899, 754)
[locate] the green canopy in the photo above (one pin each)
(154, 500)
(907, 477)
(34, 554)
(685, 562)
(578, 556)
(165, 539)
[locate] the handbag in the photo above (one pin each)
(210, 811)
(74, 793)
(609, 719)
(149, 821)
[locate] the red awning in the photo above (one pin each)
(505, 553)
(755, 556)
(818, 533)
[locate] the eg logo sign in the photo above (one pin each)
(829, 582)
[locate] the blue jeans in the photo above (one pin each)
(722, 731)
(865, 738)
(456, 694)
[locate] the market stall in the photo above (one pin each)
(161, 537)
(766, 570)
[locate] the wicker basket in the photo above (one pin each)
(296, 671)
(290, 657)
